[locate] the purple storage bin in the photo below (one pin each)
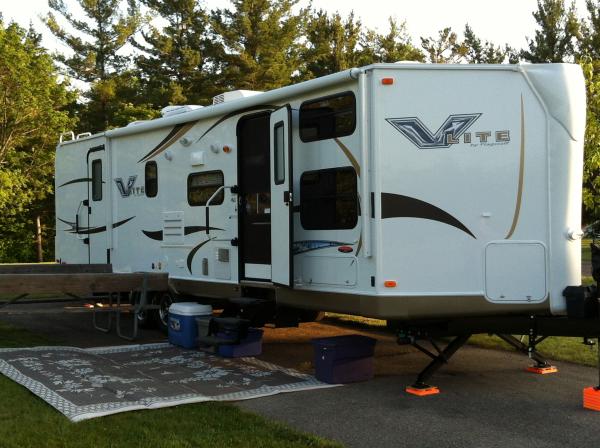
(251, 345)
(344, 359)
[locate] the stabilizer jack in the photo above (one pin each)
(420, 387)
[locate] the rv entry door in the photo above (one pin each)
(96, 229)
(281, 196)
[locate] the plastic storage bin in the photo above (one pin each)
(183, 329)
(251, 345)
(344, 359)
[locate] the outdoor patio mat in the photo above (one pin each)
(87, 383)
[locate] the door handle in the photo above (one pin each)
(287, 197)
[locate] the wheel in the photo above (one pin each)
(311, 316)
(165, 300)
(146, 319)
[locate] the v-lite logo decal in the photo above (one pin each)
(126, 191)
(448, 133)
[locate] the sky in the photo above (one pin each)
(506, 21)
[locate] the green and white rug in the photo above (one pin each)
(88, 383)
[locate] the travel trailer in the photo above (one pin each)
(405, 192)
(443, 198)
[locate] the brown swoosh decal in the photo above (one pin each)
(398, 206)
(190, 256)
(158, 234)
(92, 230)
(75, 181)
(234, 113)
(176, 133)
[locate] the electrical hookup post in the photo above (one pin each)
(591, 395)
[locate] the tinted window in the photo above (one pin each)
(97, 180)
(328, 117)
(201, 186)
(279, 146)
(151, 179)
(329, 199)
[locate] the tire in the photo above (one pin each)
(146, 319)
(311, 316)
(165, 300)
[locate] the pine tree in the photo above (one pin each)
(258, 43)
(176, 62)
(394, 46)
(96, 59)
(105, 30)
(590, 31)
(445, 49)
(557, 33)
(332, 45)
(477, 52)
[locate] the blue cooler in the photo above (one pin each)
(344, 359)
(183, 329)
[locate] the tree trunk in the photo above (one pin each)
(38, 239)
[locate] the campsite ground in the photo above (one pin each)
(487, 399)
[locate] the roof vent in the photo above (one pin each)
(234, 95)
(176, 110)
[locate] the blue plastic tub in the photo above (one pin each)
(251, 345)
(183, 329)
(344, 359)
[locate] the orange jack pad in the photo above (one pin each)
(542, 370)
(422, 392)
(591, 398)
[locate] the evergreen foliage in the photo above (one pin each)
(34, 104)
(557, 34)
(136, 56)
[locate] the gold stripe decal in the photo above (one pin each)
(521, 176)
(349, 155)
(356, 167)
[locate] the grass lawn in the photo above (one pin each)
(555, 348)
(586, 252)
(27, 421)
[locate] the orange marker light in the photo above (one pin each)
(226, 149)
(389, 283)
(387, 81)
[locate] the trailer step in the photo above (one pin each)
(247, 301)
(222, 331)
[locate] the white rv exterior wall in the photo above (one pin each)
(479, 184)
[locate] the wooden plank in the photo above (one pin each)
(54, 268)
(79, 284)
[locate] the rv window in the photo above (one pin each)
(328, 117)
(97, 180)
(279, 146)
(329, 199)
(201, 186)
(151, 179)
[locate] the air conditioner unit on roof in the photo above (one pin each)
(234, 95)
(179, 109)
